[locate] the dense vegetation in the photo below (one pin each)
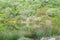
(29, 19)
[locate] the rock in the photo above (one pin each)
(51, 38)
(44, 39)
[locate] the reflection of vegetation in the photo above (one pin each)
(31, 18)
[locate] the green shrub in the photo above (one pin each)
(10, 35)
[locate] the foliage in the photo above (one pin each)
(27, 17)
